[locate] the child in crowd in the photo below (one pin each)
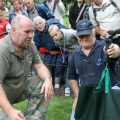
(4, 25)
(5, 16)
(66, 39)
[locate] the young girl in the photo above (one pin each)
(4, 25)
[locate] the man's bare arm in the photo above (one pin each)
(12, 113)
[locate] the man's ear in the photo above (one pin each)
(13, 29)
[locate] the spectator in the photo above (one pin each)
(57, 8)
(34, 10)
(2, 5)
(4, 25)
(87, 61)
(5, 16)
(106, 17)
(53, 56)
(66, 39)
(16, 49)
(16, 9)
(76, 12)
(86, 12)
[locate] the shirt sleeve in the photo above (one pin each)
(8, 27)
(4, 63)
(61, 7)
(92, 17)
(117, 2)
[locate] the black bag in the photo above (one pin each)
(98, 103)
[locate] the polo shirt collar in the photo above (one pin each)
(96, 45)
(33, 10)
(10, 44)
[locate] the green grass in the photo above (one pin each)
(59, 108)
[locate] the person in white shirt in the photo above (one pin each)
(57, 8)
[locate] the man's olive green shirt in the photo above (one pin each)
(14, 70)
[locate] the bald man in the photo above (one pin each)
(17, 55)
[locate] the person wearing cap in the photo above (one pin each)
(67, 40)
(87, 61)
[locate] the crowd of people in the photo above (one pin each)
(37, 40)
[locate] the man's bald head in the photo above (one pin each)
(19, 21)
(21, 31)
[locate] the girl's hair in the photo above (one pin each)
(13, 1)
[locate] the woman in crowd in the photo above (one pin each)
(76, 12)
(16, 9)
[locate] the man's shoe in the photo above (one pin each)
(67, 91)
(57, 86)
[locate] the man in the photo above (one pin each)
(67, 40)
(35, 10)
(106, 17)
(56, 7)
(53, 56)
(87, 61)
(86, 12)
(18, 54)
(2, 5)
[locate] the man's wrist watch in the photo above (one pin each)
(48, 77)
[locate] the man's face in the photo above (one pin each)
(80, 1)
(16, 5)
(40, 25)
(24, 34)
(56, 35)
(2, 3)
(29, 4)
(86, 41)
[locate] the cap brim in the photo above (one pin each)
(84, 32)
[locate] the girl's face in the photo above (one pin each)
(6, 17)
(16, 5)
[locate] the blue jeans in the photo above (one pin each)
(72, 115)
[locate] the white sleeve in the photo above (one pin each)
(61, 7)
(92, 17)
(117, 2)
(8, 27)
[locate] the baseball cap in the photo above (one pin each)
(84, 27)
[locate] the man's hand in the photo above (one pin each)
(48, 88)
(113, 51)
(15, 114)
(104, 33)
